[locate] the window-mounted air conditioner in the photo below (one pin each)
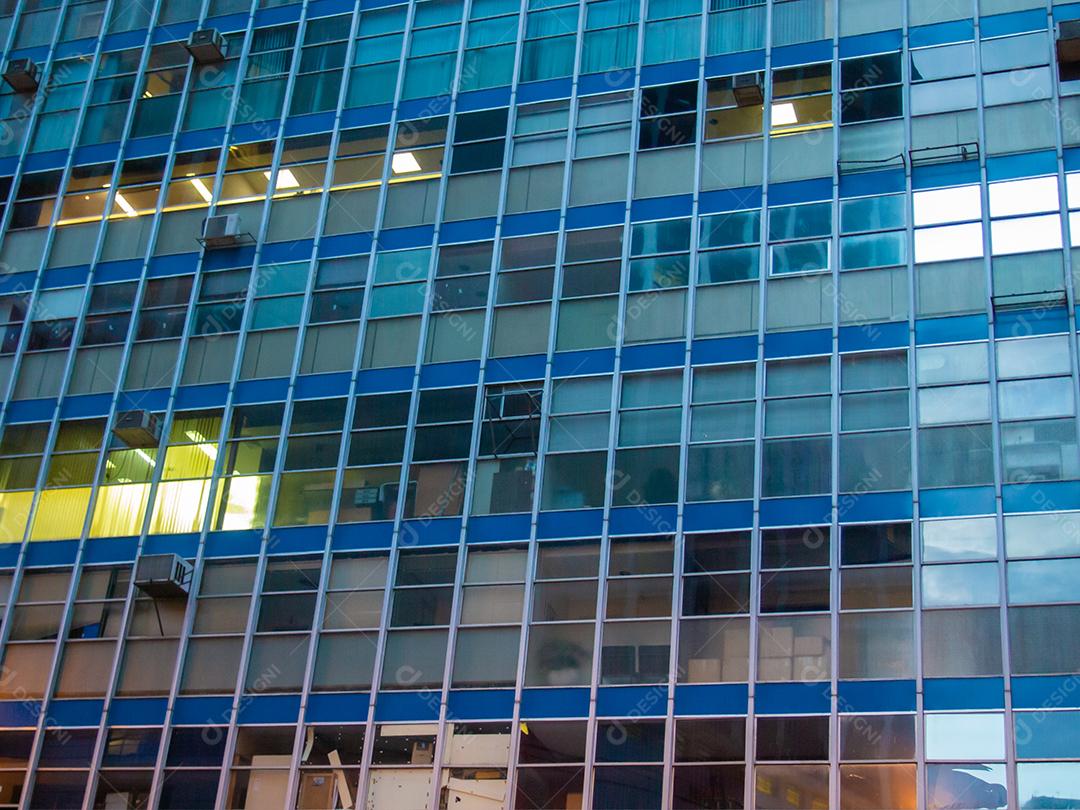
(747, 90)
(206, 46)
(22, 75)
(222, 230)
(162, 575)
(137, 428)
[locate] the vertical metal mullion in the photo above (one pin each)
(754, 617)
(480, 410)
(546, 384)
(8, 44)
(995, 421)
(20, 563)
(36, 108)
(54, 666)
(275, 475)
(128, 609)
(478, 418)
(1068, 265)
(41, 726)
(80, 321)
(266, 533)
(222, 433)
(253, 285)
(421, 350)
(188, 331)
(225, 777)
(613, 426)
(391, 573)
(836, 514)
(335, 500)
(50, 234)
(679, 536)
(157, 779)
(913, 414)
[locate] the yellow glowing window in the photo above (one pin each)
(14, 512)
(119, 510)
(242, 502)
(180, 506)
(82, 207)
(60, 514)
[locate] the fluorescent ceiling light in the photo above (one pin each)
(784, 115)
(285, 179)
(200, 187)
(404, 162)
(125, 205)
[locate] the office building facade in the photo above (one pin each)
(726, 355)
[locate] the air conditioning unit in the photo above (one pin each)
(747, 90)
(22, 75)
(206, 46)
(163, 575)
(222, 230)
(137, 428)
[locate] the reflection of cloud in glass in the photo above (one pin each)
(966, 787)
(962, 539)
(964, 584)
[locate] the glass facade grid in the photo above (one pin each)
(710, 604)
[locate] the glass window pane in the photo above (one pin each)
(967, 584)
(965, 736)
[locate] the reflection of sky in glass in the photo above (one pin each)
(1031, 399)
(1026, 234)
(964, 362)
(1042, 535)
(949, 242)
(1037, 581)
(1047, 734)
(965, 787)
(1056, 783)
(965, 736)
(967, 584)
(964, 539)
(1028, 196)
(947, 205)
(1028, 357)
(954, 403)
